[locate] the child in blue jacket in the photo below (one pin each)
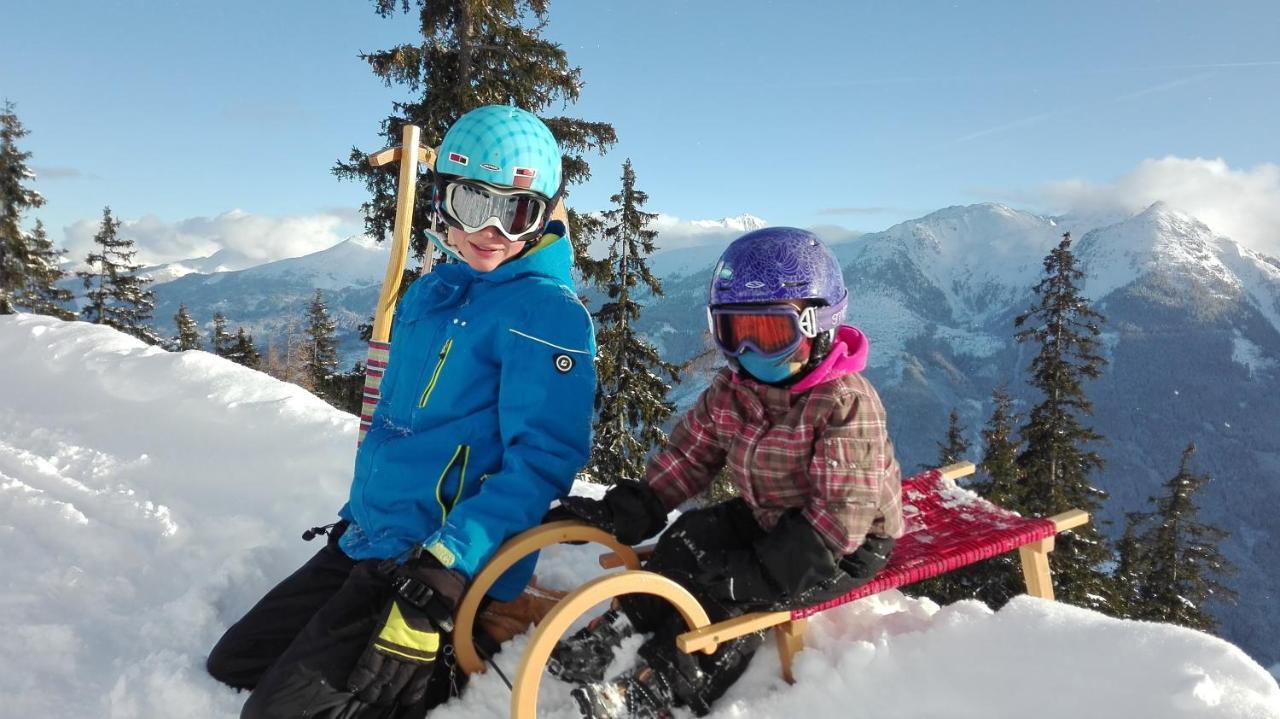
(484, 419)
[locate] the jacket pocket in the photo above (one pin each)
(458, 464)
(848, 471)
(435, 373)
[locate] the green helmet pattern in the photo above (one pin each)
(503, 146)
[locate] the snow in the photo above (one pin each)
(147, 499)
(1249, 355)
(1157, 240)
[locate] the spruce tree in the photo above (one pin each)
(15, 200)
(221, 343)
(1057, 462)
(321, 353)
(346, 390)
(43, 296)
(473, 53)
(998, 474)
(955, 448)
(997, 579)
(188, 337)
(1180, 570)
(117, 296)
(631, 398)
(1129, 567)
(243, 351)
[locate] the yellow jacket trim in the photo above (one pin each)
(465, 451)
(435, 374)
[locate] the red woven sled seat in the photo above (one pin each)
(947, 528)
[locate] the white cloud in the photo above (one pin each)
(675, 233)
(249, 239)
(1241, 204)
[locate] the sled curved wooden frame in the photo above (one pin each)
(702, 635)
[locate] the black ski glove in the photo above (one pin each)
(396, 666)
(630, 511)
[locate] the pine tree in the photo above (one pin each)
(117, 296)
(998, 579)
(321, 362)
(43, 295)
(222, 343)
(243, 351)
(188, 337)
(15, 200)
(1180, 566)
(631, 398)
(1129, 567)
(998, 476)
(956, 447)
(1056, 462)
(346, 390)
(473, 53)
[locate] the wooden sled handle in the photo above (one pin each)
(524, 693)
(512, 551)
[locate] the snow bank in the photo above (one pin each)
(147, 499)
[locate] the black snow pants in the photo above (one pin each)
(699, 679)
(295, 648)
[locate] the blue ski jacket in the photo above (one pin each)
(484, 416)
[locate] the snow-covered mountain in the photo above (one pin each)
(225, 260)
(268, 299)
(147, 499)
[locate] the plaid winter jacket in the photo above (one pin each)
(824, 450)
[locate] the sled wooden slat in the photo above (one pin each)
(708, 638)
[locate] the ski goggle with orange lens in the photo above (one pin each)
(767, 330)
(472, 206)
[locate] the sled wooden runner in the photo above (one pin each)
(946, 529)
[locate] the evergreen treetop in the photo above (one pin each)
(117, 296)
(188, 337)
(1056, 462)
(1178, 567)
(999, 473)
(631, 398)
(473, 53)
(321, 355)
(243, 351)
(16, 198)
(222, 342)
(43, 295)
(955, 448)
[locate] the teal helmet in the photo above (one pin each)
(503, 146)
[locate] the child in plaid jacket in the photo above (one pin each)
(802, 436)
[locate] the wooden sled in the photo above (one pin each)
(944, 533)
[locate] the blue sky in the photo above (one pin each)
(859, 114)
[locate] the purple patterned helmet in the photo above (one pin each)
(778, 264)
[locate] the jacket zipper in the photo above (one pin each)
(435, 374)
(464, 452)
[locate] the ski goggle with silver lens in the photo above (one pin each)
(473, 206)
(768, 330)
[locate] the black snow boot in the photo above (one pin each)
(640, 693)
(585, 656)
